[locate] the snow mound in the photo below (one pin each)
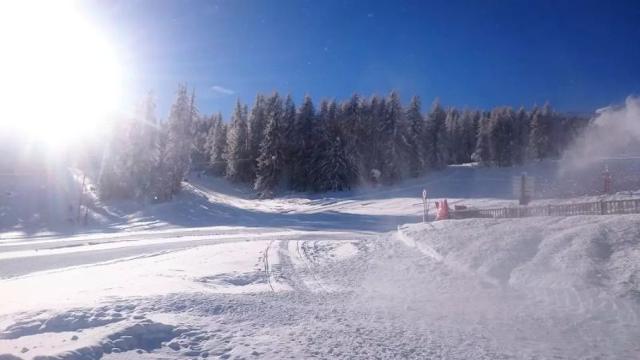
(538, 287)
(584, 252)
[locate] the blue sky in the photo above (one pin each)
(578, 55)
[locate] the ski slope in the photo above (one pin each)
(217, 274)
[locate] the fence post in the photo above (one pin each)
(424, 205)
(602, 207)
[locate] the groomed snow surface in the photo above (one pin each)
(350, 276)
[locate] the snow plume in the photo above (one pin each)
(613, 133)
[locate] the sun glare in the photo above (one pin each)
(60, 78)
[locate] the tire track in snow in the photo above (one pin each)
(298, 269)
(307, 262)
(288, 267)
(267, 267)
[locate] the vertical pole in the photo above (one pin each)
(523, 189)
(84, 177)
(424, 205)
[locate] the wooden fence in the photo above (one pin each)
(604, 207)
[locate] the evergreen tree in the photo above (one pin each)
(520, 136)
(339, 161)
(501, 135)
(115, 178)
(304, 147)
(336, 167)
(257, 122)
(455, 137)
(373, 161)
(128, 164)
(469, 121)
(436, 137)
(200, 151)
(357, 126)
(239, 162)
(322, 141)
(179, 143)
(415, 121)
(393, 140)
(540, 133)
(271, 159)
(482, 154)
(139, 152)
(288, 134)
(218, 147)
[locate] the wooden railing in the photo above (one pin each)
(604, 207)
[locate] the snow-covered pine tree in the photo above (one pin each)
(540, 133)
(375, 113)
(271, 159)
(455, 137)
(305, 146)
(158, 187)
(482, 154)
(200, 151)
(334, 166)
(415, 153)
(288, 134)
(145, 148)
(218, 147)
(115, 179)
(436, 137)
(520, 136)
(357, 127)
(557, 129)
(501, 134)
(469, 123)
(239, 161)
(392, 137)
(321, 129)
(179, 142)
(257, 123)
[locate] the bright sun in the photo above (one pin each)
(60, 78)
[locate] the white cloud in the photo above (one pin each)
(222, 90)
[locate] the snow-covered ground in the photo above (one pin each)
(217, 274)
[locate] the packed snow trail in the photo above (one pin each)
(24, 258)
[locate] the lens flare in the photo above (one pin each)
(60, 76)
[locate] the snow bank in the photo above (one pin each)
(537, 287)
(584, 252)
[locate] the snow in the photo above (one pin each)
(564, 287)
(218, 274)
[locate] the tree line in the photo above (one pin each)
(333, 146)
